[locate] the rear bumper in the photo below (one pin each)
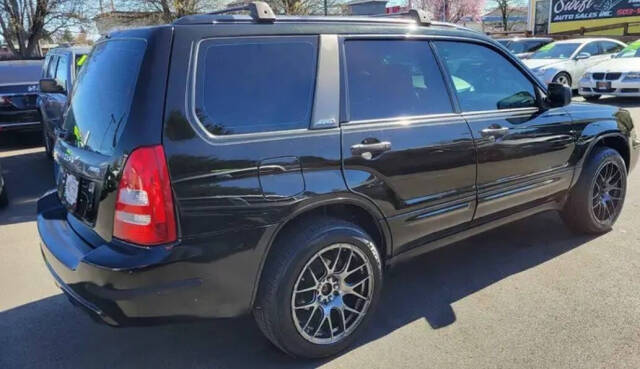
(127, 285)
(20, 120)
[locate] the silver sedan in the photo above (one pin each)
(566, 61)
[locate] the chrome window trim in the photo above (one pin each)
(201, 130)
(20, 124)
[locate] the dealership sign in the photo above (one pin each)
(574, 10)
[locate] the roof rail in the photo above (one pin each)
(260, 11)
(419, 15)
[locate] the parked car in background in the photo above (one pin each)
(59, 72)
(566, 61)
(205, 174)
(524, 47)
(4, 198)
(619, 76)
(18, 94)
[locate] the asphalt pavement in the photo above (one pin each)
(526, 295)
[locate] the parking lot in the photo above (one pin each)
(529, 294)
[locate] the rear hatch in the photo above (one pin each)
(115, 107)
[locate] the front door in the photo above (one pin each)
(402, 145)
(523, 149)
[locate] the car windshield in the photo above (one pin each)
(631, 51)
(555, 51)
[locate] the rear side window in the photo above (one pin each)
(393, 78)
(252, 85)
(62, 72)
(51, 68)
(484, 79)
(102, 95)
(609, 47)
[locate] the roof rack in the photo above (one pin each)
(420, 16)
(260, 11)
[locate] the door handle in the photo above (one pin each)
(494, 131)
(369, 150)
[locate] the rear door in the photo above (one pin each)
(403, 146)
(523, 149)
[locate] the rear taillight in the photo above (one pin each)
(144, 206)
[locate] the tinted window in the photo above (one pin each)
(62, 71)
(484, 79)
(51, 70)
(102, 95)
(591, 48)
(20, 71)
(387, 79)
(255, 84)
(609, 47)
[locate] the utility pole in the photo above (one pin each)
(326, 11)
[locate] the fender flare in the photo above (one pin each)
(345, 198)
(594, 141)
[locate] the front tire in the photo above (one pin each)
(319, 288)
(596, 200)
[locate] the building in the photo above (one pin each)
(593, 17)
(516, 20)
(367, 7)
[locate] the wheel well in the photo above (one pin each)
(617, 143)
(348, 212)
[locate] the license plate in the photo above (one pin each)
(71, 190)
(603, 85)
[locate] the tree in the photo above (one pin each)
(67, 36)
(452, 11)
(23, 23)
(170, 10)
(506, 8)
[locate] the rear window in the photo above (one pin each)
(20, 71)
(102, 95)
(251, 85)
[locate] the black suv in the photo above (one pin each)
(58, 74)
(278, 165)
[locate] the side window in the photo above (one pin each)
(45, 66)
(51, 69)
(62, 71)
(591, 48)
(484, 79)
(393, 78)
(249, 85)
(609, 47)
(535, 45)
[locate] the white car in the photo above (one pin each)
(566, 61)
(619, 76)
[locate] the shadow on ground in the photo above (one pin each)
(27, 172)
(51, 333)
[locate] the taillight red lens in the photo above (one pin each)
(144, 206)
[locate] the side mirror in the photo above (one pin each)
(583, 55)
(49, 85)
(558, 95)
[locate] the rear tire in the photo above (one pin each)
(308, 304)
(563, 78)
(595, 202)
(592, 97)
